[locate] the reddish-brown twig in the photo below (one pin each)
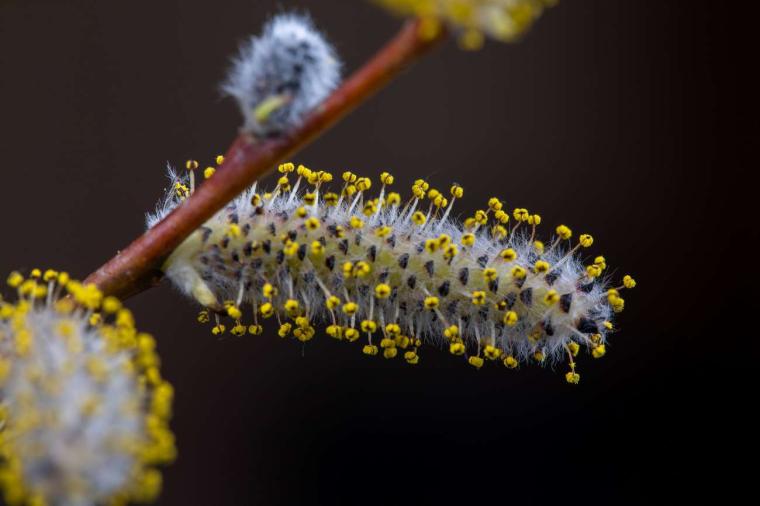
(137, 267)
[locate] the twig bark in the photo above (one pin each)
(137, 267)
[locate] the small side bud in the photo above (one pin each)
(281, 75)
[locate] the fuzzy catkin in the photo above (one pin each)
(281, 75)
(395, 274)
(84, 409)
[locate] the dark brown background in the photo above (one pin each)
(620, 118)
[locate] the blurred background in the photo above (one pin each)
(623, 119)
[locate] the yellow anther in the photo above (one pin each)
(303, 171)
(349, 177)
(431, 302)
(368, 326)
(479, 297)
(351, 335)
(433, 193)
(456, 191)
(520, 214)
(510, 318)
(601, 262)
(411, 357)
(539, 356)
(349, 190)
(422, 184)
(403, 342)
(203, 316)
(350, 308)
(234, 312)
(369, 208)
(386, 178)
(233, 230)
(382, 291)
(238, 330)
(628, 281)
(269, 290)
(607, 325)
(551, 297)
(593, 271)
(255, 330)
(363, 184)
(362, 269)
(468, 239)
(309, 198)
(370, 349)
(317, 248)
(304, 334)
(534, 219)
(255, 200)
(390, 352)
(564, 232)
(95, 319)
(290, 249)
(598, 351)
(431, 245)
(572, 377)
(286, 168)
(595, 338)
(208, 172)
(335, 331)
(383, 231)
(393, 329)
(476, 362)
(491, 352)
(451, 251)
(283, 181)
(218, 329)
(284, 329)
(481, 217)
(393, 199)
(15, 279)
(501, 216)
(291, 306)
(539, 247)
(331, 199)
(499, 232)
(312, 223)
(419, 218)
(332, 302)
(356, 222)
(510, 362)
(220, 159)
(586, 240)
(541, 266)
(508, 254)
(494, 204)
(266, 309)
(573, 347)
(191, 164)
(348, 269)
(49, 275)
(490, 274)
(518, 272)
(456, 348)
(451, 332)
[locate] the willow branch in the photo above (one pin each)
(137, 267)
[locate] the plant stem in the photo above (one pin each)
(138, 267)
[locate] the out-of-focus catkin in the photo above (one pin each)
(84, 409)
(472, 20)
